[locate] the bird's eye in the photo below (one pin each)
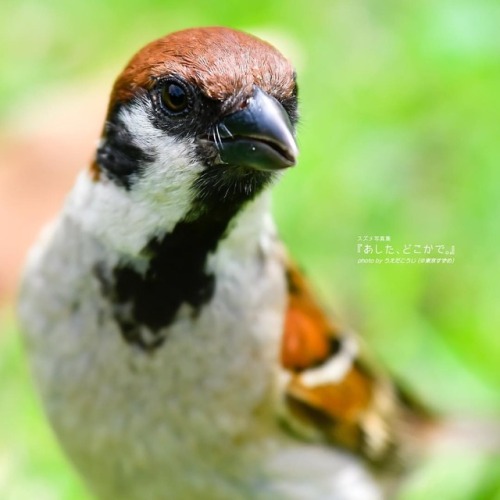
(175, 98)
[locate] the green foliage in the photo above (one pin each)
(399, 137)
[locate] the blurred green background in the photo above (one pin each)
(399, 136)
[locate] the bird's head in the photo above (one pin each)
(199, 119)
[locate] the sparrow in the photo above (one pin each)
(178, 350)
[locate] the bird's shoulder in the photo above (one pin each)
(333, 392)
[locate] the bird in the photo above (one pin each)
(178, 350)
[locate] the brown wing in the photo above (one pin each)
(333, 391)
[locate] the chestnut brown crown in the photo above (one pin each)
(219, 61)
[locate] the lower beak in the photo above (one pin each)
(259, 136)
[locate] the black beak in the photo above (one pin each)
(259, 135)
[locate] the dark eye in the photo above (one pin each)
(175, 97)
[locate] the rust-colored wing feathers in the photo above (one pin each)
(309, 337)
(332, 390)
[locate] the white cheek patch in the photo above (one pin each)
(168, 180)
(334, 370)
(160, 195)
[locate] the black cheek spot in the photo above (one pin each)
(117, 155)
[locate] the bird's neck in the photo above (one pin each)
(132, 227)
(156, 269)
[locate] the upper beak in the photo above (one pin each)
(259, 135)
